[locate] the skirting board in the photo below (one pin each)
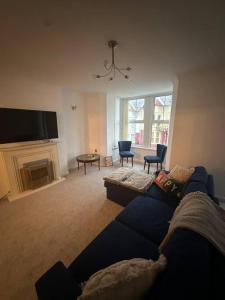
(30, 192)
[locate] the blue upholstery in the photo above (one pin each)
(124, 150)
(126, 153)
(187, 275)
(158, 158)
(195, 269)
(138, 216)
(116, 242)
(152, 159)
(157, 193)
(210, 188)
(200, 174)
(57, 284)
(194, 186)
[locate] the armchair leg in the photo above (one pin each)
(132, 159)
(148, 167)
(122, 161)
(144, 164)
(127, 159)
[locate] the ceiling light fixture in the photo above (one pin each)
(112, 68)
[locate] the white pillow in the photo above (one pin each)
(124, 280)
(181, 174)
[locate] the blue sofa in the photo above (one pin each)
(195, 268)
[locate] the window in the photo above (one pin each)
(145, 121)
(160, 125)
(136, 121)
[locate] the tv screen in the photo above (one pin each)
(19, 125)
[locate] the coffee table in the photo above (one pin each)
(88, 158)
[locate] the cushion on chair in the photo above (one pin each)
(115, 243)
(152, 159)
(126, 154)
(147, 216)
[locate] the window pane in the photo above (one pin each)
(136, 110)
(136, 133)
(162, 108)
(159, 134)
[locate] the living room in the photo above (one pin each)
(51, 53)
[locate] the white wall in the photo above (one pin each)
(96, 122)
(74, 125)
(20, 92)
(199, 126)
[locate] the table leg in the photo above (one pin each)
(78, 165)
(85, 168)
(99, 164)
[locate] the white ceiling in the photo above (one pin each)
(64, 42)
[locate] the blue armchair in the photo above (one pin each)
(159, 158)
(124, 151)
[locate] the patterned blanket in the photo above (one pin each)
(131, 179)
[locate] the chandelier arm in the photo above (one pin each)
(108, 68)
(114, 72)
(124, 69)
(107, 73)
(119, 70)
(112, 69)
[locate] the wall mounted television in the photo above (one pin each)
(20, 125)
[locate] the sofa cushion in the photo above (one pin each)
(210, 187)
(194, 186)
(168, 184)
(218, 275)
(200, 174)
(127, 279)
(115, 243)
(181, 174)
(147, 216)
(188, 271)
(57, 284)
(157, 193)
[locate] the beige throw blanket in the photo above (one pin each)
(131, 179)
(199, 213)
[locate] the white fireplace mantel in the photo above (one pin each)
(12, 158)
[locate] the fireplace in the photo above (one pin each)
(36, 174)
(28, 168)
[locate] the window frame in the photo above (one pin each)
(136, 121)
(149, 109)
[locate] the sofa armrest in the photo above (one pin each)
(57, 284)
(210, 187)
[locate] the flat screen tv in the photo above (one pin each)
(20, 125)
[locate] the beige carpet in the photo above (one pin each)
(51, 225)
